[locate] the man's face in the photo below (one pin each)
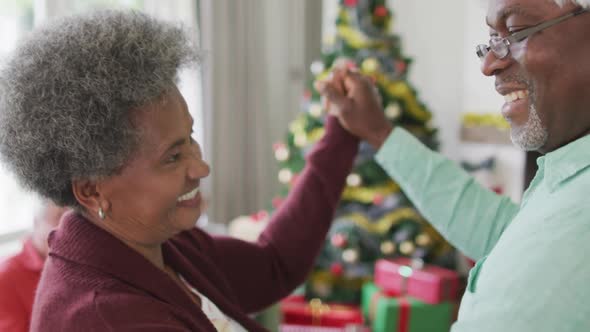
(546, 77)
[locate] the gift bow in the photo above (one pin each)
(318, 309)
(403, 321)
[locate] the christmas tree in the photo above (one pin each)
(374, 219)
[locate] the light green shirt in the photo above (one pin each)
(533, 269)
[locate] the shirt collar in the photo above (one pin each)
(565, 162)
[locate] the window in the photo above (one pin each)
(19, 16)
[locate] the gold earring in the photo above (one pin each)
(101, 214)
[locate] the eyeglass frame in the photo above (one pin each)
(482, 49)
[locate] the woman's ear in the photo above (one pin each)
(88, 194)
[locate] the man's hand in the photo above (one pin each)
(354, 99)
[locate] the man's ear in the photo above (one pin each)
(88, 194)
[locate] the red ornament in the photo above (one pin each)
(279, 145)
(259, 216)
(338, 240)
(378, 199)
(401, 66)
(277, 201)
(336, 269)
(380, 11)
(307, 94)
(350, 3)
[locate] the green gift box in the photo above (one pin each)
(388, 313)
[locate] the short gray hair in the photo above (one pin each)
(67, 92)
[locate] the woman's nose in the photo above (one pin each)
(198, 168)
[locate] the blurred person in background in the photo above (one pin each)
(19, 274)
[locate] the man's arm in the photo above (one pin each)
(471, 217)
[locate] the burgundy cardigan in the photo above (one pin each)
(94, 282)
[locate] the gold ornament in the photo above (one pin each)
(350, 255)
(285, 175)
(282, 153)
(387, 248)
(354, 180)
(407, 248)
(393, 111)
(370, 66)
(315, 110)
(423, 240)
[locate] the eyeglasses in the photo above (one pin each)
(501, 46)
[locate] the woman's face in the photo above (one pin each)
(157, 195)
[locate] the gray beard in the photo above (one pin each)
(532, 136)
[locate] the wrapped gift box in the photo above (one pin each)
(389, 313)
(331, 288)
(431, 284)
(303, 328)
(297, 311)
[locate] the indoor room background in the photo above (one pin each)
(257, 55)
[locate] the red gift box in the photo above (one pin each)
(296, 311)
(431, 284)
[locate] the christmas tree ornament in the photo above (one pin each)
(339, 240)
(387, 248)
(315, 110)
(277, 201)
(317, 67)
(370, 66)
(300, 139)
(354, 180)
(401, 66)
(350, 3)
(407, 248)
(423, 240)
(380, 11)
(350, 255)
(282, 153)
(307, 95)
(285, 175)
(336, 269)
(378, 199)
(393, 111)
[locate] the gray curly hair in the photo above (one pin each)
(67, 93)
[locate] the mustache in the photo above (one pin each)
(511, 79)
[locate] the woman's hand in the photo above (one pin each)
(354, 99)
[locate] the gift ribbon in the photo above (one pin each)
(403, 322)
(318, 309)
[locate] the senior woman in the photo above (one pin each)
(91, 118)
